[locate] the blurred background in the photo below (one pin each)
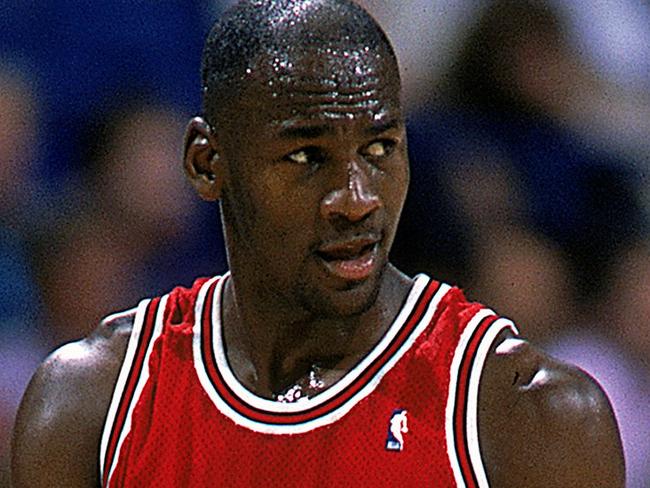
(529, 136)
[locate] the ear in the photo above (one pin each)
(201, 160)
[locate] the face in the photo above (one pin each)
(317, 174)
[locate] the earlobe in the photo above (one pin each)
(201, 160)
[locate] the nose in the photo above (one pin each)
(355, 201)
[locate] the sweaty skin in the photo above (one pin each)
(308, 159)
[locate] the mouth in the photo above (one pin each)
(350, 260)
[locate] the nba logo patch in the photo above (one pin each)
(397, 426)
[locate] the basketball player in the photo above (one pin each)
(288, 369)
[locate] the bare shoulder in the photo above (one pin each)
(545, 423)
(59, 423)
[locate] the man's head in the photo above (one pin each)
(303, 141)
(256, 36)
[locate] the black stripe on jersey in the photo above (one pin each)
(135, 370)
(357, 385)
(467, 364)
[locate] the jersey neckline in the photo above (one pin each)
(260, 414)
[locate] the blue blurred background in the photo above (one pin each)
(529, 136)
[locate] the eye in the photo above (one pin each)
(307, 155)
(379, 149)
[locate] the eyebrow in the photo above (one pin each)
(381, 126)
(319, 130)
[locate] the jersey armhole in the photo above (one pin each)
(147, 325)
(461, 415)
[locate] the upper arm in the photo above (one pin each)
(545, 423)
(58, 427)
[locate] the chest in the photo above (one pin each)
(395, 434)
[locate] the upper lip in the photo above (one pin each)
(347, 248)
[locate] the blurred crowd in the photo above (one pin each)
(529, 137)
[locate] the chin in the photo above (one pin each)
(355, 298)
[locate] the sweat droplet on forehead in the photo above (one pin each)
(330, 80)
(343, 65)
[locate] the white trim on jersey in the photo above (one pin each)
(304, 404)
(471, 414)
(453, 387)
(472, 401)
(122, 378)
(141, 382)
(118, 315)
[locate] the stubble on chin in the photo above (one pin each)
(350, 302)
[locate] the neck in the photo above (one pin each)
(272, 345)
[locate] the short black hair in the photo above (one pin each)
(253, 28)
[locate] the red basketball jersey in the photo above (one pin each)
(405, 415)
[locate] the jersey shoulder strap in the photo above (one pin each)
(478, 332)
(152, 318)
(133, 375)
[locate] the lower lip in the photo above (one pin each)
(354, 269)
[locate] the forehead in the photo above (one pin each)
(328, 81)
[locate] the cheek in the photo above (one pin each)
(280, 210)
(394, 186)
(273, 199)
